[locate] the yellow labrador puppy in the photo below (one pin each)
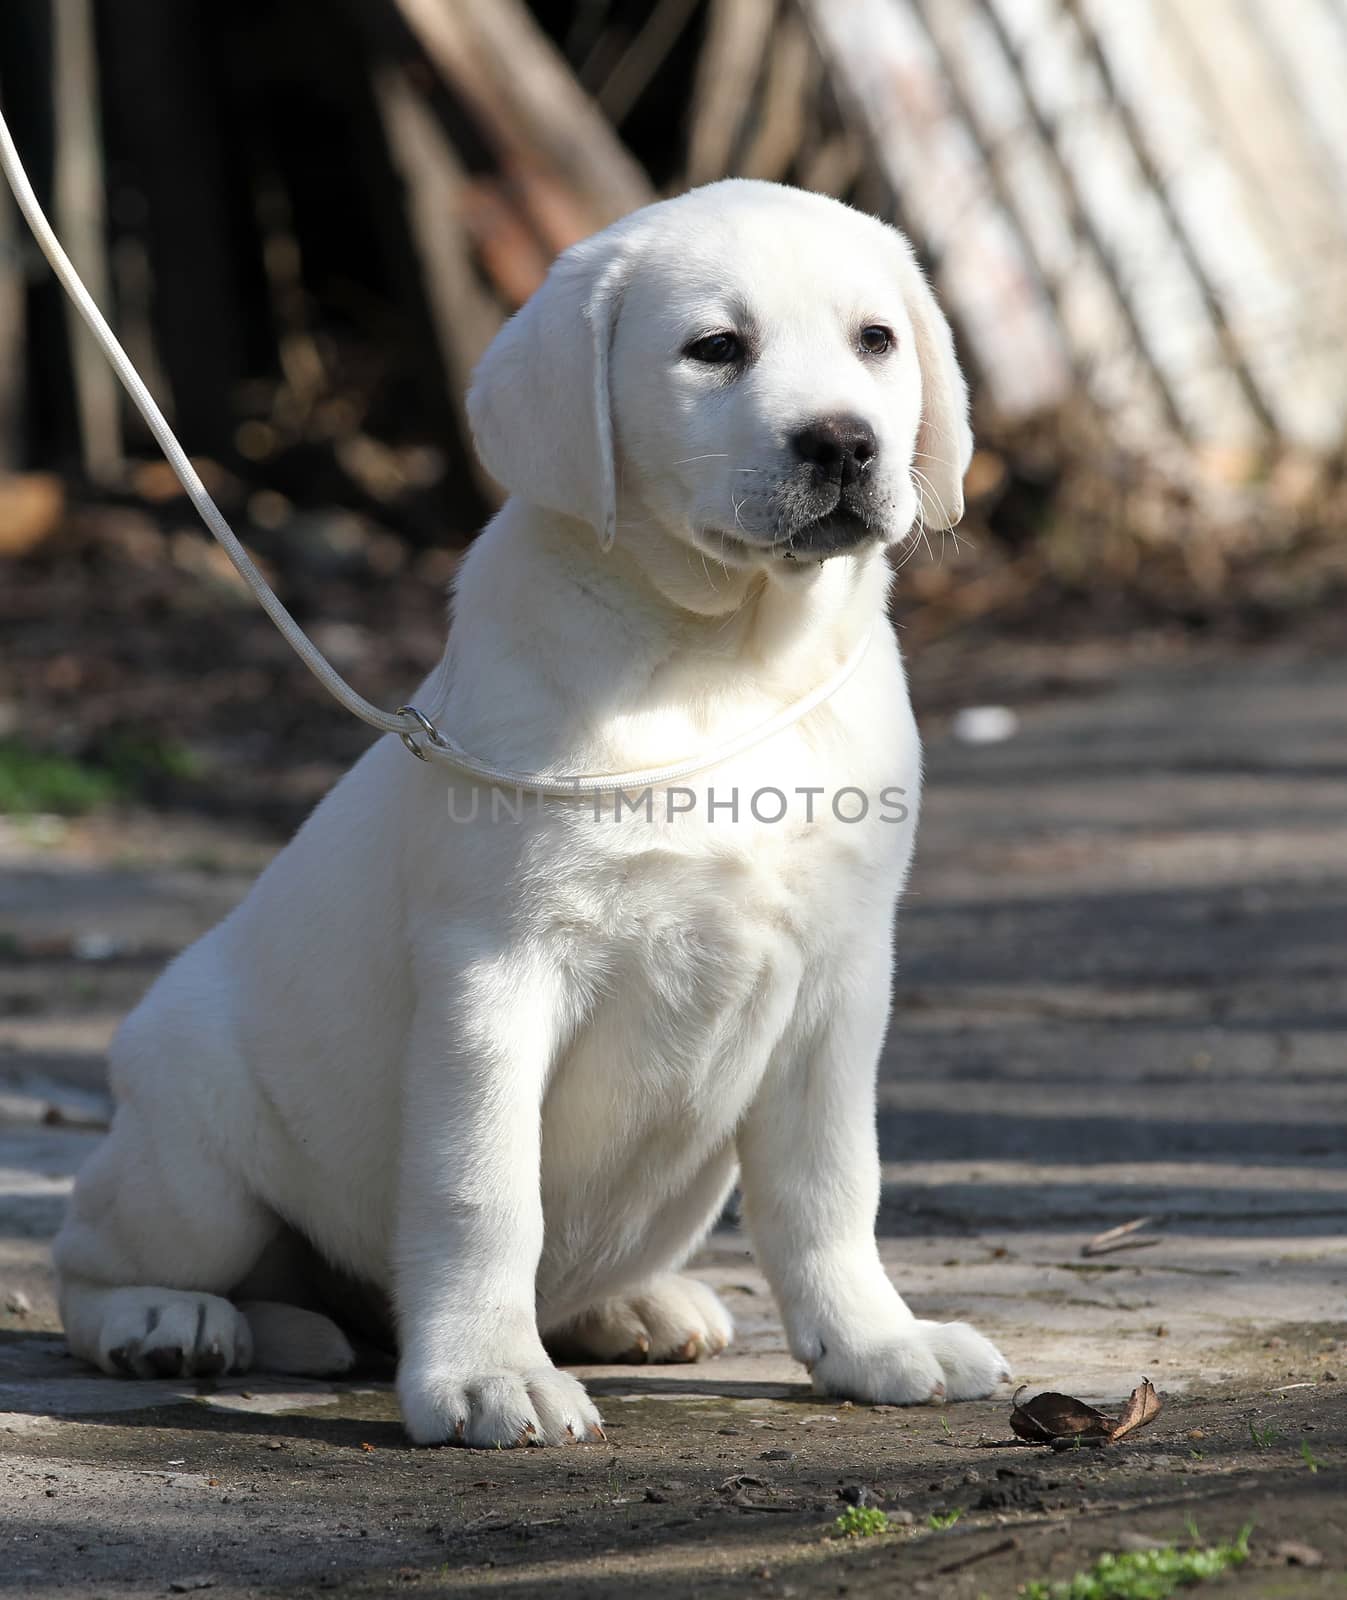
(505, 1060)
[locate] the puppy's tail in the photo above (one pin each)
(290, 1339)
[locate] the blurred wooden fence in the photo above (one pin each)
(308, 216)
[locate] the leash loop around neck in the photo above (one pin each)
(438, 747)
(420, 735)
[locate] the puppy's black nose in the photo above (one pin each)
(839, 448)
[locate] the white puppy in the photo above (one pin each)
(505, 1062)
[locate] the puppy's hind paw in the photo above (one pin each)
(671, 1318)
(170, 1333)
(288, 1339)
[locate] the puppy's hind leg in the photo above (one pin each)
(154, 1240)
(293, 1339)
(667, 1316)
(154, 1332)
(281, 1298)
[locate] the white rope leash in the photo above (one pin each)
(601, 783)
(298, 640)
(418, 733)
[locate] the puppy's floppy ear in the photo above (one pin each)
(944, 438)
(539, 404)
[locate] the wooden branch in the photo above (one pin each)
(1050, 283)
(1179, 36)
(1315, 143)
(868, 107)
(465, 316)
(1077, 215)
(792, 63)
(1159, 188)
(173, 147)
(593, 42)
(737, 34)
(835, 165)
(641, 60)
(78, 197)
(892, 95)
(13, 334)
(549, 135)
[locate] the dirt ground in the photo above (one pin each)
(1121, 995)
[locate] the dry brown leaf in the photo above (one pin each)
(1143, 1406)
(31, 507)
(1050, 1416)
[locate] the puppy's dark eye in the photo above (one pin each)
(716, 349)
(875, 340)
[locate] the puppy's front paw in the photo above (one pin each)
(921, 1362)
(492, 1410)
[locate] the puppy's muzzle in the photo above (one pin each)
(841, 530)
(835, 454)
(838, 449)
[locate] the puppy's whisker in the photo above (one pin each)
(731, 615)
(940, 461)
(906, 557)
(923, 487)
(915, 545)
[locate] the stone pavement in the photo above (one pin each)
(1122, 994)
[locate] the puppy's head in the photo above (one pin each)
(756, 371)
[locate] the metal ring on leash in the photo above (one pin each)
(432, 733)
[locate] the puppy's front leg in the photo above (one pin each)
(469, 1227)
(810, 1166)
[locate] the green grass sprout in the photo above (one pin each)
(1146, 1574)
(33, 783)
(860, 1522)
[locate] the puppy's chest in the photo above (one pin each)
(695, 947)
(700, 928)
